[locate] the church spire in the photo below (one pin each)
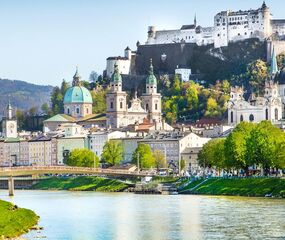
(76, 78)
(273, 66)
(195, 20)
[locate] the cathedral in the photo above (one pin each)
(119, 114)
(268, 107)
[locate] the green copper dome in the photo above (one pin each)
(151, 79)
(116, 76)
(77, 94)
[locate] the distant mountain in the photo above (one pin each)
(23, 95)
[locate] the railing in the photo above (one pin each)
(48, 169)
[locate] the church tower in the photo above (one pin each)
(9, 123)
(151, 98)
(116, 102)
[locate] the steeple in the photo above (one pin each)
(9, 113)
(76, 78)
(264, 6)
(151, 79)
(273, 66)
(195, 20)
(116, 76)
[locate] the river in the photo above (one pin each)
(127, 216)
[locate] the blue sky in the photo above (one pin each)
(42, 41)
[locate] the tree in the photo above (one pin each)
(99, 101)
(236, 146)
(159, 159)
(182, 164)
(264, 146)
(212, 154)
(192, 95)
(33, 111)
(93, 77)
(146, 159)
(45, 108)
(176, 87)
(82, 158)
(56, 101)
(257, 73)
(112, 152)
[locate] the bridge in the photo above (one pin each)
(12, 172)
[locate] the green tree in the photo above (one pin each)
(45, 108)
(99, 101)
(264, 146)
(192, 95)
(112, 152)
(176, 87)
(82, 158)
(182, 164)
(236, 147)
(257, 73)
(146, 159)
(159, 159)
(212, 154)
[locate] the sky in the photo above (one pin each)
(42, 41)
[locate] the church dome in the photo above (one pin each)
(77, 94)
(151, 79)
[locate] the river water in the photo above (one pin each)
(127, 216)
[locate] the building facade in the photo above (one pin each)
(9, 123)
(149, 106)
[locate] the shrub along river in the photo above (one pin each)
(95, 215)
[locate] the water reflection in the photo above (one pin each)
(104, 216)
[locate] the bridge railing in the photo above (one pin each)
(72, 169)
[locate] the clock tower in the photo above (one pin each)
(9, 123)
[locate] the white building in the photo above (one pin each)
(123, 63)
(9, 123)
(174, 144)
(256, 109)
(97, 140)
(229, 26)
(184, 73)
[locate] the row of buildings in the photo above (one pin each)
(140, 121)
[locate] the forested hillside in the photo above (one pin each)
(23, 95)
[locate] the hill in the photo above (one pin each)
(23, 95)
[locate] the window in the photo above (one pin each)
(276, 113)
(68, 111)
(251, 118)
(77, 110)
(232, 117)
(121, 104)
(241, 118)
(146, 107)
(156, 106)
(87, 110)
(266, 114)
(111, 105)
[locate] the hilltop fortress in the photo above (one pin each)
(228, 27)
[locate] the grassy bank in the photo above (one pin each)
(253, 187)
(15, 221)
(81, 184)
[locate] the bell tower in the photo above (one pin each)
(116, 102)
(9, 123)
(151, 98)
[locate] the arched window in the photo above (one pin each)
(111, 105)
(77, 110)
(68, 111)
(276, 113)
(156, 106)
(241, 118)
(266, 114)
(232, 117)
(87, 111)
(251, 117)
(146, 107)
(121, 104)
